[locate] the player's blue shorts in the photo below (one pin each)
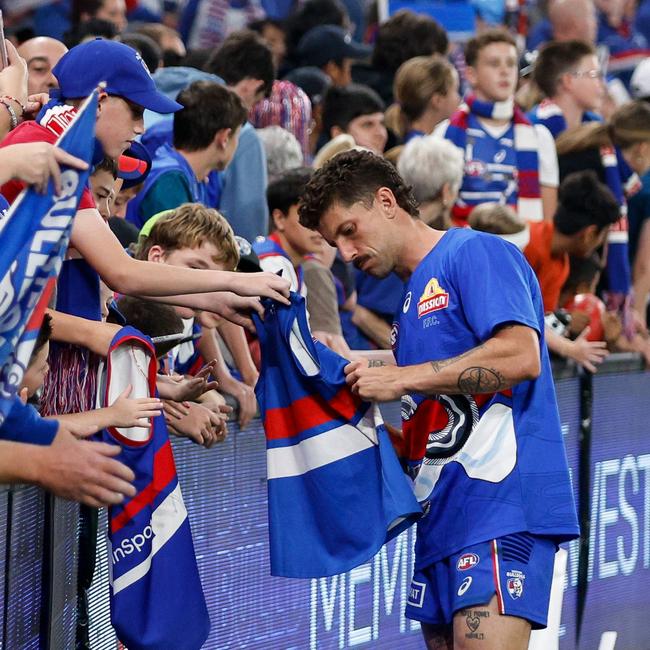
(518, 568)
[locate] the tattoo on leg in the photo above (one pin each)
(375, 363)
(480, 380)
(473, 621)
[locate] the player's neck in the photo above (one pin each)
(417, 242)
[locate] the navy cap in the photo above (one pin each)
(329, 43)
(312, 80)
(82, 68)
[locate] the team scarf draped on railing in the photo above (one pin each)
(34, 237)
(529, 203)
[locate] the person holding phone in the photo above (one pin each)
(13, 89)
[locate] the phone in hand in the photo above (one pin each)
(4, 59)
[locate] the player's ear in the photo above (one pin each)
(386, 200)
(278, 219)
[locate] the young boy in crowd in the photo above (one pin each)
(585, 213)
(123, 412)
(193, 236)
(570, 76)
(358, 111)
(206, 133)
(288, 242)
(507, 159)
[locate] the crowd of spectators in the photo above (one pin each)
(536, 129)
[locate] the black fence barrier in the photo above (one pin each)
(606, 427)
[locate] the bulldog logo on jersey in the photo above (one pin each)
(515, 583)
(433, 298)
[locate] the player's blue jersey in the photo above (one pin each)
(491, 464)
(336, 490)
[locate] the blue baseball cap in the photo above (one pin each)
(82, 68)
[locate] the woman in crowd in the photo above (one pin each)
(426, 93)
(434, 168)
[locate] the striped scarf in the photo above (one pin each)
(528, 198)
(620, 180)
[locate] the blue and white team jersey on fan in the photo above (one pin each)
(491, 464)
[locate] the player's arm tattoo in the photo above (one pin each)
(481, 380)
(443, 363)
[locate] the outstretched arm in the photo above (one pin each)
(101, 249)
(508, 358)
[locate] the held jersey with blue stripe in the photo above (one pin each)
(336, 490)
(476, 458)
(157, 601)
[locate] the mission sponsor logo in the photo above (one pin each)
(433, 298)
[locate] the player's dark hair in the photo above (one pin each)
(405, 35)
(286, 190)
(348, 178)
(476, 44)
(556, 59)
(342, 105)
(208, 107)
(584, 201)
(243, 55)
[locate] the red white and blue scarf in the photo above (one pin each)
(528, 197)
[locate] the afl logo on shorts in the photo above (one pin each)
(467, 561)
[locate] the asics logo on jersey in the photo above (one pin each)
(133, 544)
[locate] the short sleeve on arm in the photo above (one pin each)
(549, 174)
(494, 282)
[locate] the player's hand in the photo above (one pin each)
(373, 381)
(84, 471)
(588, 353)
(263, 284)
(137, 412)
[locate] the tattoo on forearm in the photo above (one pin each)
(443, 363)
(375, 363)
(481, 380)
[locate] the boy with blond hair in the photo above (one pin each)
(194, 236)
